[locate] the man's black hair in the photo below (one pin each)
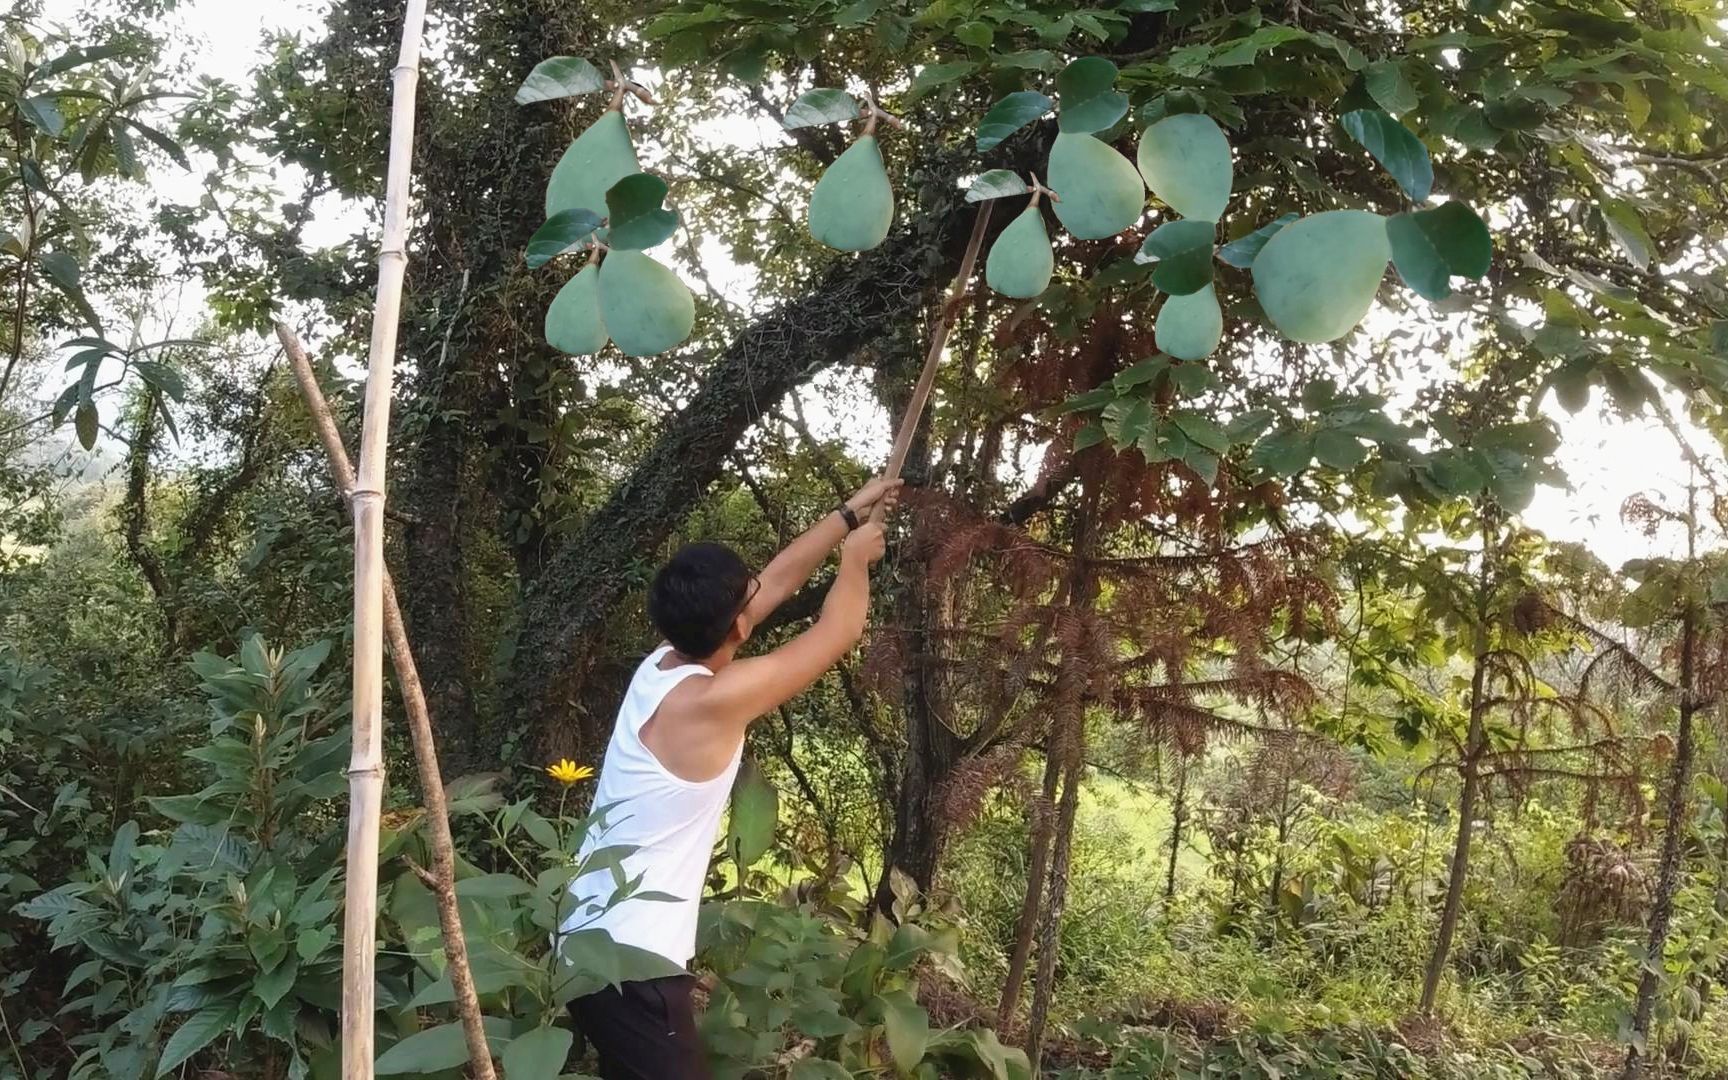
(696, 597)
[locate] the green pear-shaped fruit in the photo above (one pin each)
(853, 204)
(646, 309)
(1100, 190)
(597, 159)
(1189, 327)
(573, 322)
(1318, 276)
(1021, 262)
(1186, 162)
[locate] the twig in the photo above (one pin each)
(938, 341)
(443, 878)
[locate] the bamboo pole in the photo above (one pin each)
(442, 878)
(366, 764)
(932, 359)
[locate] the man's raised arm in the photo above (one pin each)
(790, 569)
(747, 689)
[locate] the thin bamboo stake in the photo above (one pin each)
(442, 879)
(366, 764)
(932, 359)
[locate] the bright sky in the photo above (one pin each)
(1606, 460)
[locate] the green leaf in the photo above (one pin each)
(817, 1069)
(1390, 87)
(85, 423)
(64, 272)
(312, 941)
(560, 77)
(438, 1048)
(1143, 372)
(821, 106)
(1241, 251)
(492, 887)
(1336, 450)
(1201, 430)
(978, 34)
(163, 142)
(1183, 251)
(907, 1026)
(563, 232)
(755, 812)
(1429, 247)
(635, 219)
(274, 984)
(1283, 453)
(1029, 60)
(42, 113)
(199, 1031)
(1089, 436)
(1090, 100)
(538, 1055)
(1395, 147)
(930, 76)
(997, 184)
(1203, 462)
(162, 377)
(1628, 231)
(1010, 115)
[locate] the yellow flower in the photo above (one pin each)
(567, 772)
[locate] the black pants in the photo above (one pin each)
(646, 1031)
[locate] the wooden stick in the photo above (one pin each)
(443, 875)
(932, 359)
(366, 764)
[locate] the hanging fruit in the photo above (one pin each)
(852, 206)
(1317, 277)
(1021, 261)
(646, 308)
(1190, 327)
(599, 157)
(1102, 192)
(573, 322)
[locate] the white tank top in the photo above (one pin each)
(671, 822)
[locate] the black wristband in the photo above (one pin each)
(849, 516)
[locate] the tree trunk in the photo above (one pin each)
(1178, 813)
(1475, 740)
(1668, 871)
(1037, 865)
(1460, 865)
(1459, 868)
(1067, 739)
(1050, 924)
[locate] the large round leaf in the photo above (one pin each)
(1186, 162)
(1317, 278)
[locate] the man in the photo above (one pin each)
(674, 753)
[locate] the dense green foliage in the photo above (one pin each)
(1224, 713)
